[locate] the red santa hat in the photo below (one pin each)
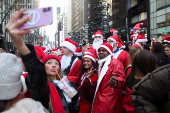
(116, 40)
(137, 26)
(98, 33)
(90, 51)
(141, 38)
(153, 39)
(54, 49)
(114, 31)
(167, 39)
(69, 44)
(39, 51)
(44, 49)
(107, 46)
(91, 56)
(47, 57)
(78, 52)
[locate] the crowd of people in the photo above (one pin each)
(107, 77)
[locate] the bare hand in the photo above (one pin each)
(90, 73)
(113, 80)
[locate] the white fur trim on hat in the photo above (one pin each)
(45, 50)
(86, 52)
(69, 46)
(88, 56)
(112, 40)
(99, 35)
(106, 48)
(78, 54)
(166, 41)
(24, 87)
(141, 40)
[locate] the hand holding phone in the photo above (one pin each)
(38, 17)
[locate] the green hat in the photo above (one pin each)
(164, 31)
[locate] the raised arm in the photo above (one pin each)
(16, 34)
(36, 79)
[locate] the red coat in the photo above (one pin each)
(123, 57)
(74, 71)
(108, 99)
(127, 103)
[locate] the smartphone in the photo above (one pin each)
(38, 17)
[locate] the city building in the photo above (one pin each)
(159, 17)
(139, 13)
(7, 9)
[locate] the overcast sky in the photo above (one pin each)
(51, 29)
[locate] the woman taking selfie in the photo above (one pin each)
(41, 75)
(88, 82)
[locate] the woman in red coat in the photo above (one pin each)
(88, 82)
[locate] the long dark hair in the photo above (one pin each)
(143, 62)
(132, 52)
(83, 70)
(158, 50)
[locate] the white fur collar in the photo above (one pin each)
(102, 61)
(103, 71)
(65, 62)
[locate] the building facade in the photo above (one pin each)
(7, 8)
(159, 17)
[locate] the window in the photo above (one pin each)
(162, 24)
(168, 19)
(168, 2)
(160, 3)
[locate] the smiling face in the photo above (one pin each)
(50, 66)
(87, 63)
(103, 53)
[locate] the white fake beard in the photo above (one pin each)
(65, 62)
(97, 43)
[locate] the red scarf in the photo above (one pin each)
(55, 99)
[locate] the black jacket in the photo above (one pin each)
(152, 93)
(37, 81)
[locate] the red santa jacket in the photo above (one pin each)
(123, 57)
(127, 103)
(74, 71)
(108, 99)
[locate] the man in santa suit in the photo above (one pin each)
(141, 41)
(70, 64)
(108, 94)
(118, 54)
(136, 30)
(98, 40)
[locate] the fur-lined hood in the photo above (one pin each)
(27, 105)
